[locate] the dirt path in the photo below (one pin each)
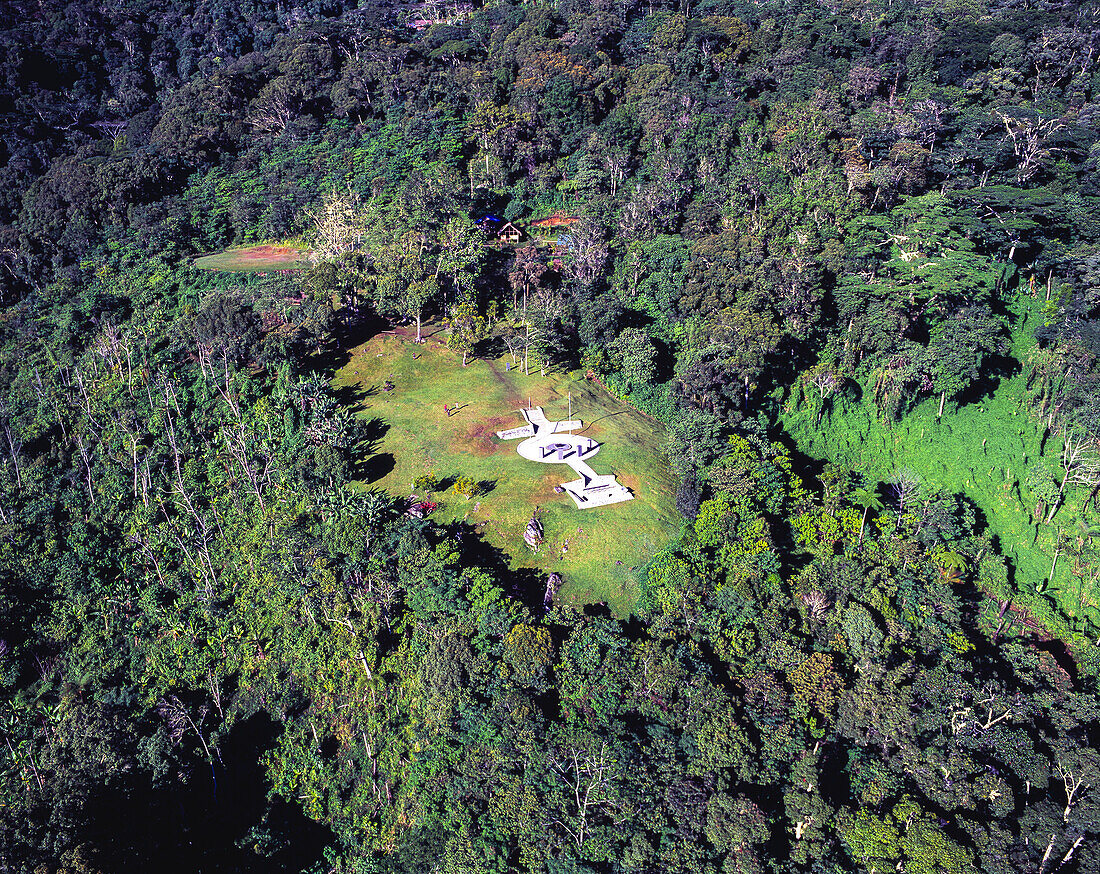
(512, 395)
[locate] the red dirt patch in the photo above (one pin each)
(554, 221)
(255, 259)
(480, 437)
(258, 253)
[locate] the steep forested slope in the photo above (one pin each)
(221, 649)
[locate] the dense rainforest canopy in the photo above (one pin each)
(789, 230)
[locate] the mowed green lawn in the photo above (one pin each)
(599, 552)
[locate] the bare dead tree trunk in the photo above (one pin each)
(1046, 855)
(1054, 564)
(1069, 852)
(227, 391)
(87, 468)
(147, 550)
(1072, 785)
(13, 451)
(238, 448)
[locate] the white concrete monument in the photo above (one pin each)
(551, 443)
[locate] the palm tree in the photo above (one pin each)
(375, 506)
(867, 499)
(951, 565)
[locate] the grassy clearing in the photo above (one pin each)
(604, 548)
(256, 259)
(982, 450)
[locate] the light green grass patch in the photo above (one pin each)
(599, 552)
(982, 450)
(256, 259)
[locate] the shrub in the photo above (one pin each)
(465, 486)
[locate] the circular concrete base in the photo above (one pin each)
(558, 448)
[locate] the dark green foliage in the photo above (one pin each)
(688, 495)
(218, 651)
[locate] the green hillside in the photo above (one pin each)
(983, 450)
(598, 552)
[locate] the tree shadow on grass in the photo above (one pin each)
(526, 585)
(368, 462)
(490, 348)
(331, 357)
(485, 486)
(353, 397)
(361, 329)
(809, 469)
(334, 352)
(375, 428)
(994, 369)
(376, 466)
